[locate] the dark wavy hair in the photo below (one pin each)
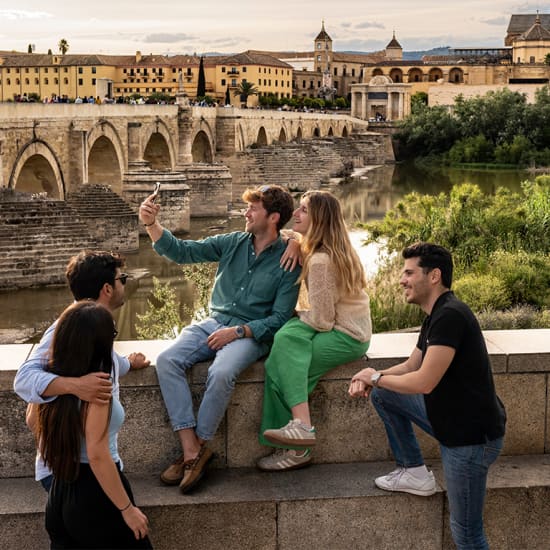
(82, 343)
(432, 256)
(89, 270)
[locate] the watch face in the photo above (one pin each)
(240, 331)
(375, 377)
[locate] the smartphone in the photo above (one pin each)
(156, 191)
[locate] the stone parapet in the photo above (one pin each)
(348, 430)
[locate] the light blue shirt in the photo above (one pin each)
(32, 379)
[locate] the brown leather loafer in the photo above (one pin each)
(194, 469)
(174, 473)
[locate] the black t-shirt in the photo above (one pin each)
(463, 408)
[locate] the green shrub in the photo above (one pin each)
(482, 292)
(525, 275)
(515, 318)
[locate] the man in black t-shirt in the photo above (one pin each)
(445, 387)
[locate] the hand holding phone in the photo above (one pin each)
(156, 191)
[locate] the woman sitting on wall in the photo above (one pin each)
(333, 327)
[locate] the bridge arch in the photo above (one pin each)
(201, 149)
(330, 131)
(345, 131)
(105, 155)
(316, 132)
(299, 134)
(37, 170)
(282, 136)
(456, 75)
(435, 74)
(261, 139)
(159, 150)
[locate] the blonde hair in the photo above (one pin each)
(327, 232)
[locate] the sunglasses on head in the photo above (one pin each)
(123, 277)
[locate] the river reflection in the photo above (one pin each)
(26, 313)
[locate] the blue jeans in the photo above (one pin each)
(465, 467)
(228, 363)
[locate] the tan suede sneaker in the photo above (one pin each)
(174, 473)
(194, 469)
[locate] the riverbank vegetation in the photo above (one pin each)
(500, 245)
(498, 128)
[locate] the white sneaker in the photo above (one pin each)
(284, 459)
(294, 434)
(402, 480)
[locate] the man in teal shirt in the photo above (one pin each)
(253, 296)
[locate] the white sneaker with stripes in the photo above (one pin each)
(284, 459)
(294, 434)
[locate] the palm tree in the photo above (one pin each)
(245, 89)
(63, 46)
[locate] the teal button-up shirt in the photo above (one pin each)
(248, 289)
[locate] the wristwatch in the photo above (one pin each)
(239, 331)
(375, 378)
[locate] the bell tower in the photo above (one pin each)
(323, 50)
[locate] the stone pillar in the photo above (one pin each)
(364, 113)
(185, 125)
(78, 159)
(135, 152)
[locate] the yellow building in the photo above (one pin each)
(84, 76)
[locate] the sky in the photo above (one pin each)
(230, 26)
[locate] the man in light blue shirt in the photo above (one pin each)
(253, 296)
(95, 276)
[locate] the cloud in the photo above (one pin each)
(14, 15)
(345, 25)
(167, 37)
(496, 21)
(370, 25)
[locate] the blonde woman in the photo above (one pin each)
(332, 327)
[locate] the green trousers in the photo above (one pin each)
(299, 357)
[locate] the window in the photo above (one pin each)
(344, 71)
(244, 69)
(56, 80)
(80, 82)
(94, 70)
(45, 69)
(276, 83)
(234, 82)
(27, 81)
(65, 81)
(532, 59)
(46, 81)
(36, 69)
(55, 70)
(36, 81)
(223, 81)
(189, 72)
(80, 71)
(318, 58)
(93, 81)
(8, 81)
(260, 81)
(319, 46)
(65, 70)
(304, 84)
(353, 72)
(223, 69)
(26, 69)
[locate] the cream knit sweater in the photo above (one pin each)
(322, 306)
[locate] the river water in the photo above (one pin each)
(369, 194)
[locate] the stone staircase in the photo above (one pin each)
(110, 219)
(332, 504)
(306, 165)
(37, 237)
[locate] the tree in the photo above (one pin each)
(201, 85)
(547, 59)
(63, 46)
(29, 48)
(244, 90)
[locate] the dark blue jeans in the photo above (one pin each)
(465, 467)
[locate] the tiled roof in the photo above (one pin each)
(254, 57)
(394, 43)
(323, 35)
(519, 23)
(536, 32)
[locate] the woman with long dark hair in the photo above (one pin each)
(90, 503)
(332, 327)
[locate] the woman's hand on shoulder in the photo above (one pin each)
(137, 521)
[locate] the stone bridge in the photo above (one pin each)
(53, 148)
